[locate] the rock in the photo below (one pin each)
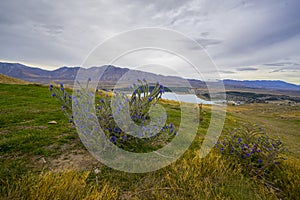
(43, 159)
(96, 171)
(52, 122)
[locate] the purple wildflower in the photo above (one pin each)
(113, 139)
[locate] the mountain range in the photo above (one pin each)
(112, 74)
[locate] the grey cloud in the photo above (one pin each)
(269, 34)
(226, 72)
(287, 69)
(235, 33)
(205, 34)
(19, 12)
(49, 29)
(208, 42)
(274, 64)
(247, 69)
(282, 64)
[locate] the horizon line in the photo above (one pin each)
(43, 67)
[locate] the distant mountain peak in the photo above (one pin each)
(262, 84)
(112, 74)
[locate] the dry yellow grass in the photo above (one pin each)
(188, 178)
(10, 80)
(69, 184)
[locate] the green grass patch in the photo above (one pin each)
(26, 136)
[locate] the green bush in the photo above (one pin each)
(139, 104)
(257, 153)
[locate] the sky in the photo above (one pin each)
(246, 40)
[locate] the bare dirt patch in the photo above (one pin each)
(78, 160)
(4, 132)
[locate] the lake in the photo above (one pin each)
(188, 98)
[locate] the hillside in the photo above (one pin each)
(262, 84)
(10, 80)
(112, 74)
(67, 75)
(38, 75)
(39, 160)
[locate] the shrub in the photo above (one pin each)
(138, 104)
(252, 148)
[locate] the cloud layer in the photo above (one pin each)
(256, 39)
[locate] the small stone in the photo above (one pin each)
(52, 122)
(43, 159)
(97, 171)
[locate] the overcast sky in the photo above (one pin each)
(246, 39)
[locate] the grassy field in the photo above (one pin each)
(278, 120)
(47, 161)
